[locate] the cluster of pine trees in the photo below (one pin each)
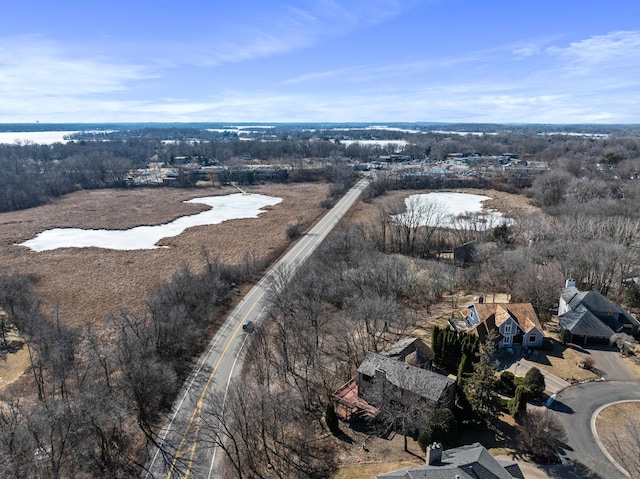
(452, 348)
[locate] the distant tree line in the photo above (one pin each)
(32, 174)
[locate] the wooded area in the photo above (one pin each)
(97, 401)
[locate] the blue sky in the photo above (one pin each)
(560, 61)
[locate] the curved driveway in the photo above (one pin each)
(575, 406)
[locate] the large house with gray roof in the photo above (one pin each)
(405, 372)
(404, 383)
(466, 462)
(590, 316)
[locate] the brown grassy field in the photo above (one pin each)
(619, 427)
(85, 284)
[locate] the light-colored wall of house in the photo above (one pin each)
(472, 316)
(563, 307)
(513, 332)
(538, 338)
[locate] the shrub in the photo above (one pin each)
(534, 381)
(588, 363)
(540, 435)
(564, 336)
(519, 402)
(293, 231)
(506, 384)
(441, 426)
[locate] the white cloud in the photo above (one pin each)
(34, 66)
(527, 51)
(287, 29)
(620, 48)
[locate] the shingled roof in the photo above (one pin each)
(581, 322)
(422, 382)
(467, 462)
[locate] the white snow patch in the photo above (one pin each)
(454, 205)
(39, 137)
(223, 208)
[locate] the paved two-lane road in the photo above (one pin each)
(575, 407)
(189, 458)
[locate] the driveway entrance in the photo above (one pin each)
(608, 361)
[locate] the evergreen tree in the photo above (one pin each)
(519, 402)
(436, 344)
(480, 387)
(534, 381)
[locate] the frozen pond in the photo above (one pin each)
(448, 210)
(39, 137)
(223, 208)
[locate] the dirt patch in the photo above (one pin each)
(378, 454)
(14, 360)
(633, 364)
(85, 284)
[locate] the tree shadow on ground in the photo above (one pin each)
(499, 434)
(11, 347)
(578, 349)
(344, 437)
(561, 407)
(574, 470)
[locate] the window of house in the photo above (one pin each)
(533, 338)
(507, 329)
(366, 377)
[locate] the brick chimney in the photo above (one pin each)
(434, 454)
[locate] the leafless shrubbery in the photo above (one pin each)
(540, 436)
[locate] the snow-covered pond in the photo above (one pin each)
(223, 208)
(449, 210)
(39, 137)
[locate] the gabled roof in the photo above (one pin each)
(595, 303)
(405, 347)
(468, 462)
(580, 321)
(422, 382)
(497, 313)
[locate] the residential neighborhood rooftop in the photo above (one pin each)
(423, 382)
(466, 462)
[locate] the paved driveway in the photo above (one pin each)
(553, 384)
(608, 361)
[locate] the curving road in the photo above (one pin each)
(180, 454)
(575, 407)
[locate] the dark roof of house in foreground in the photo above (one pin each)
(419, 381)
(468, 462)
